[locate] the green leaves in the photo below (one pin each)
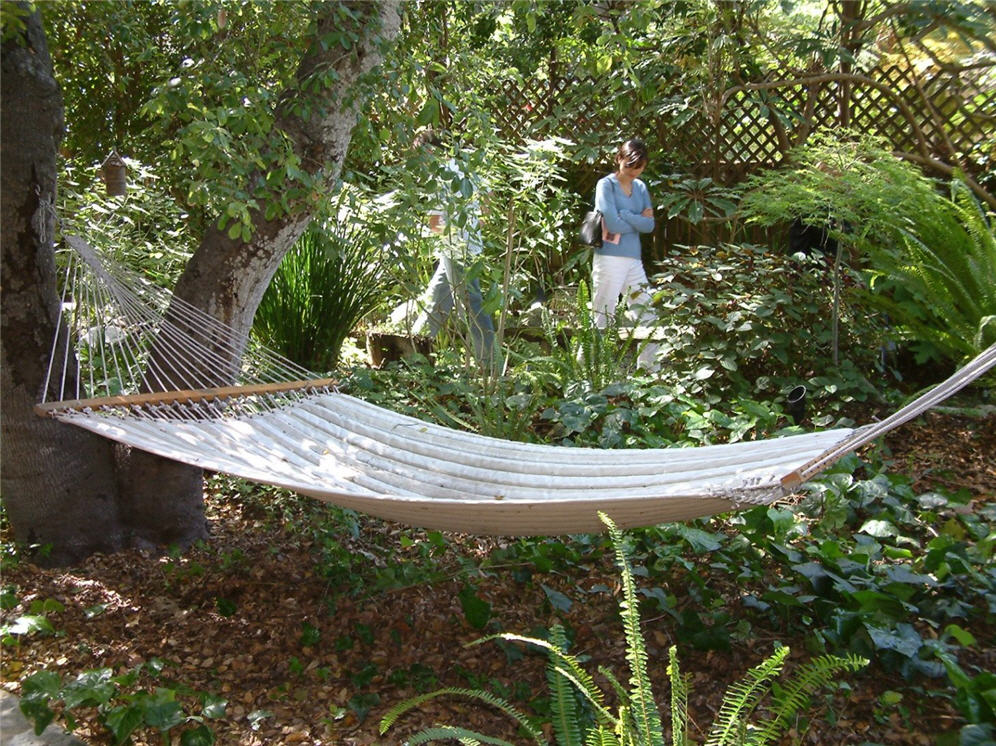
(694, 198)
(476, 610)
(578, 714)
(122, 711)
(330, 280)
(931, 259)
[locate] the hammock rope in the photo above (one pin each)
(947, 388)
(279, 424)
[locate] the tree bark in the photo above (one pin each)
(55, 478)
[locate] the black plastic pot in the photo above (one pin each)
(796, 404)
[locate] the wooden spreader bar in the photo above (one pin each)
(48, 409)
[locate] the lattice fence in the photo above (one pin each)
(755, 128)
(938, 116)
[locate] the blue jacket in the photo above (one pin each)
(622, 215)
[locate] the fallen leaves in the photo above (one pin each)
(299, 662)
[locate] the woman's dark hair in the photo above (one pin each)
(632, 153)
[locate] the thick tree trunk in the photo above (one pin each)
(56, 479)
(227, 277)
(66, 490)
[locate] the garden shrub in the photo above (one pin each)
(749, 323)
(324, 286)
(927, 259)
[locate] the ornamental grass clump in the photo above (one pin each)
(326, 284)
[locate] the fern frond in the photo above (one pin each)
(601, 737)
(621, 694)
(602, 715)
(487, 697)
(808, 679)
(452, 733)
(742, 697)
(570, 668)
(679, 699)
(583, 680)
(646, 717)
(565, 712)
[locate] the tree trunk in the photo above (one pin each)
(56, 478)
(227, 277)
(67, 490)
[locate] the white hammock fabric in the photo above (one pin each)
(357, 455)
(318, 442)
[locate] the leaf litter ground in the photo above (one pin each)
(255, 618)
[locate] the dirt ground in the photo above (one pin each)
(253, 618)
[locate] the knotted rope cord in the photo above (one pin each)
(957, 381)
(115, 318)
(146, 303)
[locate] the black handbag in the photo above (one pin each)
(590, 232)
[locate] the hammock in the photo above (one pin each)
(297, 432)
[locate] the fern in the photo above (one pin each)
(601, 737)
(645, 714)
(619, 689)
(569, 668)
(679, 699)
(637, 721)
(563, 703)
(812, 676)
(741, 699)
(590, 340)
(497, 702)
(944, 284)
(452, 733)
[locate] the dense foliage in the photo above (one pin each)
(865, 565)
(928, 259)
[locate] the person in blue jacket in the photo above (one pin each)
(617, 267)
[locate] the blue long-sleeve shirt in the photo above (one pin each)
(623, 215)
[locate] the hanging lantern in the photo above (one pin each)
(115, 175)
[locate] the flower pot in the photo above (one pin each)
(796, 404)
(385, 347)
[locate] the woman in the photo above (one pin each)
(617, 269)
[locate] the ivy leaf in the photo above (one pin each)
(700, 541)
(199, 736)
(162, 711)
(256, 717)
(962, 635)
(904, 640)
(879, 529)
(558, 600)
(976, 735)
(91, 688)
(123, 721)
(476, 610)
(28, 624)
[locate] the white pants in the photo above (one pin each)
(615, 276)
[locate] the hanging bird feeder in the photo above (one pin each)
(115, 175)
